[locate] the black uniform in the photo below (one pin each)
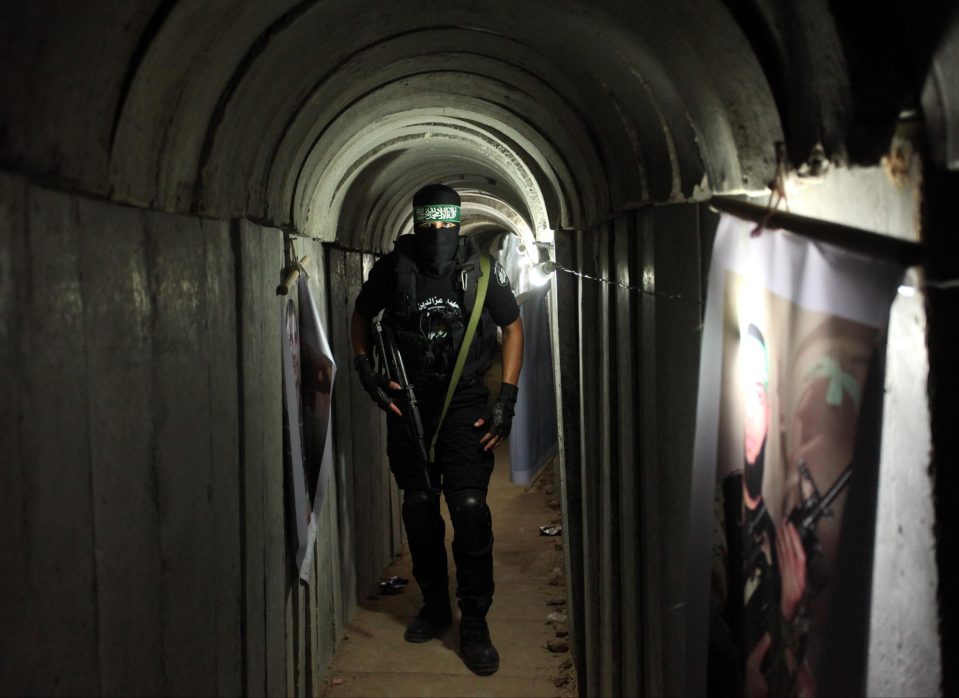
(428, 315)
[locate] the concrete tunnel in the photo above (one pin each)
(163, 160)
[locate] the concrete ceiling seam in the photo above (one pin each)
(546, 177)
(552, 171)
(572, 145)
(393, 211)
(193, 57)
(157, 20)
(714, 81)
(303, 17)
(482, 212)
(61, 74)
(595, 178)
(473, 206)
(348, 130)
(256, 50)
(574, 124)
(409, 93)
(326, 197)
(373, 217)
(207, 101)
(325, 85)
(380, 222)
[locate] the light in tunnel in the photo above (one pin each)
(540, 274)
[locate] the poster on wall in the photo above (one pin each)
(783, 503)
(308, 374)
(318, 372)
(295, 476)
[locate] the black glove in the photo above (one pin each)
(373, 383)
(500, 418)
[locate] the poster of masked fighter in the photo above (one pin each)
(791, 330)
(299, 513)
(318, 371)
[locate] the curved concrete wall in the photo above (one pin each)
(322, 117)
(235, 110)
(232, 110)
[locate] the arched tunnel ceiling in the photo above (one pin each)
(298, 112)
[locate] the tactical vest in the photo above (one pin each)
(429, 364)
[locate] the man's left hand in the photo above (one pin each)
(500, 417)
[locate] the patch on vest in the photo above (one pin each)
(500, 273)
(438, 318)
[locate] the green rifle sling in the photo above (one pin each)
(465, 346)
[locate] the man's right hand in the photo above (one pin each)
(376, 385)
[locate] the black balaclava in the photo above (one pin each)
(753, 473)
(757, 360)
(437, 246)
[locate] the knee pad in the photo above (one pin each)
(467, 503)
(419, 498)
(420, 507)
(472, 521)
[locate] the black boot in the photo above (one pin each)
(478, 652)
(428, 624)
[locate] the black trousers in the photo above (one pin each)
(462, 469)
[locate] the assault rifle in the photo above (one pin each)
(396, 371)
(805, 517)
(812, 508)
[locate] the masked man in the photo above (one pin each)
(761, 590)
(427, 288)
(774, 562)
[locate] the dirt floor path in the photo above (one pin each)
(374, 660)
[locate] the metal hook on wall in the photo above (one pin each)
(292, 276)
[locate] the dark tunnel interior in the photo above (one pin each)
(162, 162)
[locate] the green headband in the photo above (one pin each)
(444, 213)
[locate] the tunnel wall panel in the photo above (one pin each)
(325, 598)
(224, 435)
(374, 499)
(589, 382)
(568, 319)
(123, 421)
(609, 531)
(260, 436)
(626, 492)
(364, 474)
(645, 416)
(261, 262)
(677, 332)
(120, 359)
(56, 454)
(342, 435)
(13, 387)
(636, 366)
(144, 505)
(182, 450)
